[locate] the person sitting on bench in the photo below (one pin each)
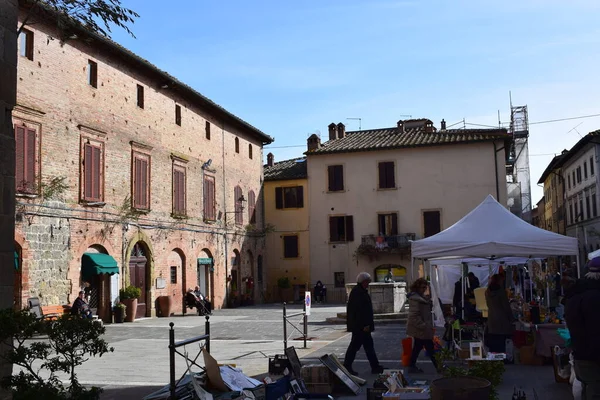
(193, 301)
(81, 307)
(202, 298)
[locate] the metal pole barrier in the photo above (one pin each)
(284, 329)
(305, 327)
(207, 332)
(172, 361)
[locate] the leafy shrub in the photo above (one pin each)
(130, 292)
(284, 283)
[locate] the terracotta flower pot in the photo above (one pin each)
(165, 306)
(131, 309)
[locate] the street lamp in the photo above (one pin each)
(239, 209)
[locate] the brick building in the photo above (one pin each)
(116, 156)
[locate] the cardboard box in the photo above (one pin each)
(320, 388)
(317, 373)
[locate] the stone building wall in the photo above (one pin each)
(54, 96)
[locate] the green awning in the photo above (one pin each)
(16, 261)
(96, 264)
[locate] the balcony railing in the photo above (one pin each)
(371, 244)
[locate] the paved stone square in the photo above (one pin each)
(248, 336)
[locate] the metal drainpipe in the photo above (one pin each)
(225, 214)
(496, 170)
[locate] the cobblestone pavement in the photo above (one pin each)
(248, 336)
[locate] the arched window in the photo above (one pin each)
(252, 207)
(239, 207)
(237, 145)
(250, 151)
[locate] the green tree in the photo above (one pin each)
(43, 364)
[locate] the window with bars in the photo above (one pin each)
(290, 246)
(335, 178)
(387, 178)
(173, 274)
(239, 212)
(179, 190)
(92, 73)
(341, 228)
(178, 114)
(26, 149)
(141, 181)
(252, 207)
(93, 171)
(209, 198)
(289, 197)
(140, 96)
(26, 44)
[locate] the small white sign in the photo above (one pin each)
(307, 301)
(476, 351)
(161, 283)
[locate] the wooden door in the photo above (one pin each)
(137, 277)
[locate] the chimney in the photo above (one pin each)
(270, 159)
(443, 123)
(341, 130)
(401, 126)
(332, 131)
(313, 142)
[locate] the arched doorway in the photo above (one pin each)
(235, 273)
(139, 276)
(18, 281)
(100, 288)
(205, 274)
(177, 279)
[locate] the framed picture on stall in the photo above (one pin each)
(476, 350)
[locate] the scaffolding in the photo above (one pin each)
(517, 169)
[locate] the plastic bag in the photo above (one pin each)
(577, 390)
(566, 335)
(561, 360)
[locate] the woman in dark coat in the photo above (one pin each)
(500, 316)
(420, 323)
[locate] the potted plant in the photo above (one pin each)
(285, 288)
(119, 312)
(129, 296)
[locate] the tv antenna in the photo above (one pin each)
(359, 122)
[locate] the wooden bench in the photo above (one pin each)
(53, 312)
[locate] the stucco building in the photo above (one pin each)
(373, 191)
(286, 202)
(579, 168)
(553, 212)
(118, 157)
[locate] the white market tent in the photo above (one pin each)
(490, 231)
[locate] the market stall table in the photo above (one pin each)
(546, 337)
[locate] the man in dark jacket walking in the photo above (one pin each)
(360, 322)
(582, 313)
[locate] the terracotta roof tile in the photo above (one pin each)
(288, 169)
(390, 138)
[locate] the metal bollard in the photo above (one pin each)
(172, 361)
(284, 328)
(305, 320)
(207, 332)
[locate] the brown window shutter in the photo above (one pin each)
(339, 177)
(96, 180)
(213, 205)
(175, 192)
(333, 232)
(394, 224)
(20, 158)
(136, 182)
(30, 161)
(182, 192)
(205, 200)
(278, 198)
(382, 175)
(88, 172)
(349, 228)
(251, 207)
(390, 175)
(331, 177)
(300, 196)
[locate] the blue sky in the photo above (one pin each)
(292, 67)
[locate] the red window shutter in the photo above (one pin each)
(239, 217)
(183, 192)
(175, 192)
(144, 184)
(136, 183)
(20, 158)
(97, 173)
(87, 172)
(205, 203)
(30, 174)
(349, 228)
(278, 198)
(179, 192)
(251, 207)
(213, 206)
